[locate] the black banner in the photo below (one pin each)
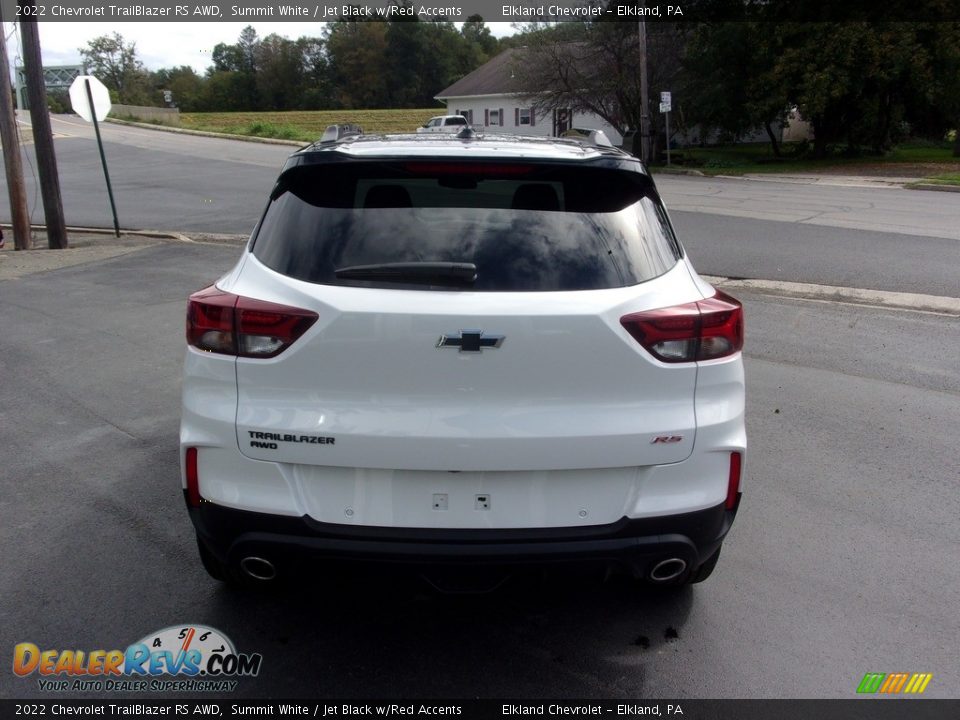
(102, 11)
(857, 709)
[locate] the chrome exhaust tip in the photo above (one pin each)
(667, 570)
(258, 568)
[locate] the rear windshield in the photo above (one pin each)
(525, 227)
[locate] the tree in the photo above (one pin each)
(594, 67)
(224, 91)
(945, 78)
(115, 63)
(447, 57)
(405, 48)
(239, 62)
(318, 92)
(849, 79)
(280, 74)
(356, 53)
(579, 66)
(480, 41)
(726, 80)
(860, 84)
(187, 87)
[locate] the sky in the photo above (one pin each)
(161, 44)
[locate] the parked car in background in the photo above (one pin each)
(444, 124)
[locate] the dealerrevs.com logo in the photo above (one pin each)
(186, 658)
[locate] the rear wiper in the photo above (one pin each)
(426, 273)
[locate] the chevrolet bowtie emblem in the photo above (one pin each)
(470, 341)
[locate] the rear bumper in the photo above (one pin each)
(292, 544)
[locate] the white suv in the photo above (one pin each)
(479, 351)
(444, 124)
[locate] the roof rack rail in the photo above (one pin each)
(333, 133)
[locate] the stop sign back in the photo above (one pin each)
(80, 102)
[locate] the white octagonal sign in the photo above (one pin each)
(81, 103)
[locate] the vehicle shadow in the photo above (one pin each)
(363, 634)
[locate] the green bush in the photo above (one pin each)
(58, 101)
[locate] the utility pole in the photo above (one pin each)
(19, 217)
(43, 136)
(645, 154)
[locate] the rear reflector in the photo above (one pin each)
(193, 479)
(703, 330)
(733, 483)
(231, 324)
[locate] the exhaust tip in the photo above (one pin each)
(667, 570)
(258, 568)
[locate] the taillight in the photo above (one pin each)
(231, 324)
(702, 330)
(733, 482)
(193, 479)
(210, 321)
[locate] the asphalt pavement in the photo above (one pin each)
(840, 561)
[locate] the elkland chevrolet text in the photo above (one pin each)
(466, 350)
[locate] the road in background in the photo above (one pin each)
(840, 561)
(857, 206)
(867, 237)
(739, 247)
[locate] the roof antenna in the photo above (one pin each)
(467, 133)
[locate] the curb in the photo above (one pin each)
(204, 237)
(159, 234)
(677, 171)
(933, 186)
(861, 181)
(886, 299)
(832, 181)
(145, 233)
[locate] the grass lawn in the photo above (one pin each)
(947, 179)
(307, 125)
(908, 160)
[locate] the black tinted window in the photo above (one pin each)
(526, 228)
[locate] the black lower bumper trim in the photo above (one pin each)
(233, 535)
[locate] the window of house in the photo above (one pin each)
(495, 117)
(468, 114)
(525, 116)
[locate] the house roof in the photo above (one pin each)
(494, 77)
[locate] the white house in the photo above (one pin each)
(488, 98)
